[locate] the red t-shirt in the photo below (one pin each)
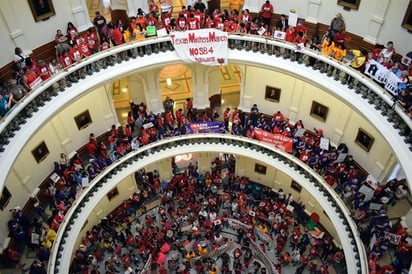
(267, 10)
(117, 37)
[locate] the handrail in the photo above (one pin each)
(342, 72)
(332, 204)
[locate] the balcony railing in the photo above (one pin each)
(344, 74)
(65, 244)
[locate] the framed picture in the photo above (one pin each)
(41, 9)
(364, 139)
(319, 111)
(272, 94)
(5, 198)
(40, 152)
(112, 193)
(83, 120)
(407, 19)
(296, 186)
(261, 169)
(349, 4)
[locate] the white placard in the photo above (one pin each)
(324, 143)
(367, 191)
(392, 83)
(376, 71)
(161, 32)
(293, 19)
(300, 132)
(279, 35)
(148, 125)
(406, 61)
(55, 177)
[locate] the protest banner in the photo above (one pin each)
(205, 46)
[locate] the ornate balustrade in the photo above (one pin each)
(65, 244)
(342, 73)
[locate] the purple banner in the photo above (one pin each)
(206, 127)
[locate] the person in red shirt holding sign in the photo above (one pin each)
(84, 47)
(181, 23)
(200, 16)
(193, 23)
(266, 12)
(43, 70)
(92, 40)
(166, 19)
(290, 34)
(246, 19)
(220, 25)
(216, 15)
(209, 23)
(75, 54)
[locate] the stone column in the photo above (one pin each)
(13, 26)
(376, 22)
(80, 14)
(313, 11)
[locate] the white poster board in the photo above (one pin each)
(293, 19)
(324, 143)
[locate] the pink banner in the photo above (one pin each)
(282, 142)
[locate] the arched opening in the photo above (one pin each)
(229, 82)
(175, 82)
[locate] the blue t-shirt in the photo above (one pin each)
(3, 106)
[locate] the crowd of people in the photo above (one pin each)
(144, 127)
(76, 173)
(72, 46)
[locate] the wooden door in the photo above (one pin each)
(212, 5)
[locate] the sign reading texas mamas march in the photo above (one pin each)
(205, 46)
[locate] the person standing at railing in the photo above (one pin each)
(193, 23)
(327, 46)
(181, 23)
(99, 22)
(339, 52)
(29, 77)
(266, 12)
(246, 19)
(16, 90)
(337, 24)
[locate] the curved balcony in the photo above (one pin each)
(64, 246)
(353, 88)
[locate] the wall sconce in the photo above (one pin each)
(169, 82)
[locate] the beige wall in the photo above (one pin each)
(60, 135)
(341, 125)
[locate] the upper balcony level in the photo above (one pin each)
(340, 80)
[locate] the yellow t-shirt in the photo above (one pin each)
(327, 49)
(126, 36)
(339, 53)
(139, 35)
